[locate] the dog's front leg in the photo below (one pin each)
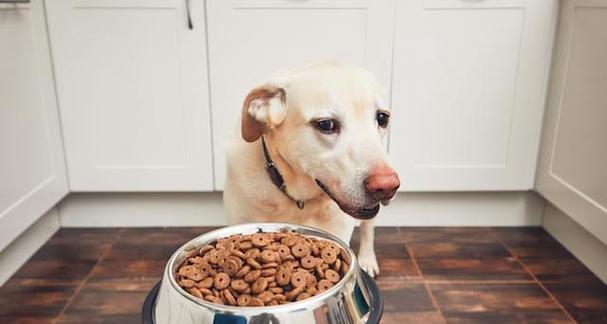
(366, 250)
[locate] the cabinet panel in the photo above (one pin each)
(573, 162)
(468, 92)
(251, 40)
(32, 172)
(132, 85)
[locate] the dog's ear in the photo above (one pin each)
(264, 107)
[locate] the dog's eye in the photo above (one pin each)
(327, 126)
(382, 119)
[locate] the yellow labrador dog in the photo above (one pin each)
(311, 151)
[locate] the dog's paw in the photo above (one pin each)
(368, 262)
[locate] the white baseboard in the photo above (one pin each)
(585, 246)
(205, 209)
(23, 247)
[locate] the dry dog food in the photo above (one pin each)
(262, 269)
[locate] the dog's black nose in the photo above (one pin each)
(382, 183)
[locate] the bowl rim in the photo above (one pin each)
(249, 228)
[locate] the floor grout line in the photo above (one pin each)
(537, 281)
(88, 276)
(432, 298)
(489, 282)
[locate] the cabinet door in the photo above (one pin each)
(468, 92)
(132, 87)
(251, 40)
(572, 172)
(32, 169)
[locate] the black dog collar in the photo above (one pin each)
(275, 175)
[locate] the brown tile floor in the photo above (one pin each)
(429, 275)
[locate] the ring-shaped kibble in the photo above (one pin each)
(344, 255)
(302, 296)
(206, 283)
(239, 285)
(255, 302)
(195, 292)
(228, 297)
(299, 278)
(283, 277)
(231, 267)
(294, 293)
(259, 285)
(243, 271)
(300, 250)
(195, 275)
(313, 291)
(206, 268)
(243, 300)
(245, 245)
(252, 276)
(329, 255)
(239, 254)
(268, 272)
(187, 283)
(324, 285)
(204, 249)
(213, 299)
(234, 238)
(284, 250)
(269, 265)
(253, 263)
(344, 268)
(280, 297)
(332, 276)
(337, 265)
(320, 272)
(268, 256)
(214, 256)
(222, 281)
(205, 291)
(260, 239)
(292, 240)
(311, 281)
(308, 262)
(252, 253)
(266, 296)
(196, 260)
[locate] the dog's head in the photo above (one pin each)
(328, 121)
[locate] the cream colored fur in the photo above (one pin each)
(303, 154)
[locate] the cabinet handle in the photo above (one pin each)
(187, 10)
(14, 1)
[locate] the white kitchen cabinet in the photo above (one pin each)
(32, 177)
(468, 92)
(250, 40)
(132, 86)
(572, 172)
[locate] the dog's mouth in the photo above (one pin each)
(358, 213)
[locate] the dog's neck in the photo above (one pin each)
(293, 182)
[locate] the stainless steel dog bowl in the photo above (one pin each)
(355, 299)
